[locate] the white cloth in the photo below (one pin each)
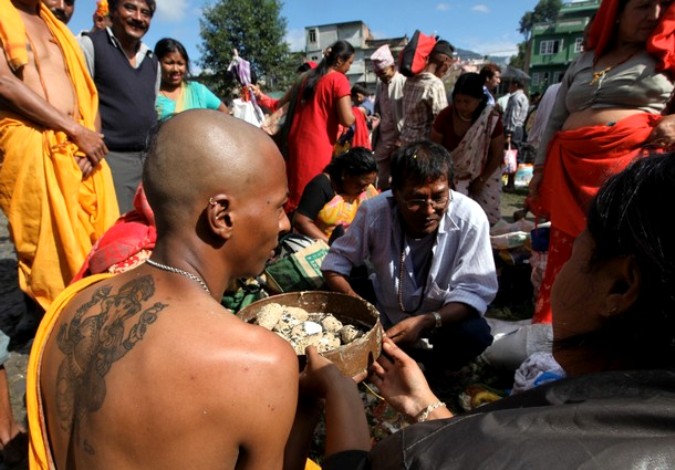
(245, 110)
(382, 58)
(516, 111)
(389, 104)
(541, 117)
(514, 342)
(462, 268)
(536, 370)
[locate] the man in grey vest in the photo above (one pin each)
(127, 77)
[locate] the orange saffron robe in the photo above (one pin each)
(54, 215)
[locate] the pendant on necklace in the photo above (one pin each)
(598, 76)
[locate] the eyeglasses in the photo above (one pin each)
(436, 203)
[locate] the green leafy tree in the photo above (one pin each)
(546, 11)
(518, 60)
(257, 30)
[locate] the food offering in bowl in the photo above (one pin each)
(344, 329)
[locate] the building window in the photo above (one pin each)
(535, 79)
(312, 35)
(550, 47)
(578, 45)
(315, 57)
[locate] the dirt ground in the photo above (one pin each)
(17, 362)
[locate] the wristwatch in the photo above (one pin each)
(439, 320)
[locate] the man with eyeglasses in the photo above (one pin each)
(432, 268)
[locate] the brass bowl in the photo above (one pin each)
(351, 358)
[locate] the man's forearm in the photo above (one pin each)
(338, 283)
(455, 312)
(17, 97)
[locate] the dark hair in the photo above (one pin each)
(112, 5)
(359, 89)
(626, 218)
(303, 67)
(471, 84)
(420, 162)
(339, 50)
(168, 45)
(356, 162)
(488, 71)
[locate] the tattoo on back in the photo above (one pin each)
(101, 332)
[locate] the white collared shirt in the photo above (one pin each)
(462, 268)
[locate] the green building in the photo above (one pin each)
(553, 46)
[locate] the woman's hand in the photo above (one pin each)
(535, 182)
(401, 382)
(255, 89)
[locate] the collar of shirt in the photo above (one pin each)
(143, 49)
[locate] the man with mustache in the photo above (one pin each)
(117, 57)
(62, 9)
(432, 267)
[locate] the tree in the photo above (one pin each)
(518, 60)
(257, 30)
(544, 12)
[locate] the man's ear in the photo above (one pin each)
(219, 215)
(625, 285)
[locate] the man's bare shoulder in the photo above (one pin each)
(131, 352)
(131, 298)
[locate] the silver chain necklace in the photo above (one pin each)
(171, 269)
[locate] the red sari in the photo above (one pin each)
(578, 163)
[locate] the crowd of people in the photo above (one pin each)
(133, 209)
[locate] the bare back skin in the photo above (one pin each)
(136, 378)
(46, 73)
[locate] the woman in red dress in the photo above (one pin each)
(317, 106)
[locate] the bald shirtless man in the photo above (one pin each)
(146, 369)
(54, 189)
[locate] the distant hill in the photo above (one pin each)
(469, 55)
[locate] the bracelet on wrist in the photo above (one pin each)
(424, 414)
(437, 319)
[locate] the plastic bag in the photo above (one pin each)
(245, 110)
(510, 161)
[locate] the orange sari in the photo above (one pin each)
(578, 162)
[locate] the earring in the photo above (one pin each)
(212, 202)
